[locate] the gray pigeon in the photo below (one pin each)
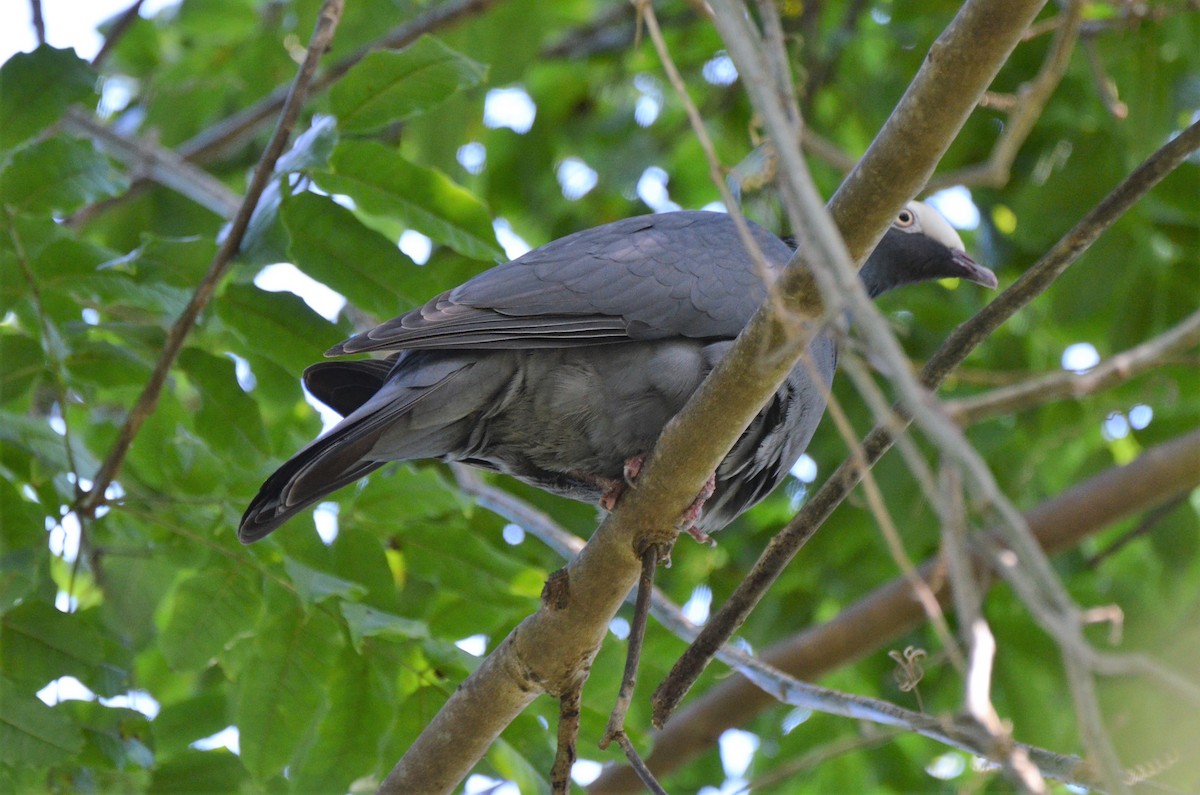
(561, 367)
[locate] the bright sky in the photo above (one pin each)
(69, 23)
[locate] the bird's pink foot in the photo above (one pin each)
(613, 489)
(694, 511)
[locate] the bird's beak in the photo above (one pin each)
(972, 271)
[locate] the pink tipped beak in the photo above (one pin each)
(972, 271)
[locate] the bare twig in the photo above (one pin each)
(117, 32)
(1148, 523)
(148, 160)
(637, 633)
(39, 24)
(233, 131)
(1114, 370)
(569, 706)
(639, 767)
(891, 611)
(978, 638)
(1030, 101)
(327, 21)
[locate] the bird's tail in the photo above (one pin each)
(335, 460)
(409, 415)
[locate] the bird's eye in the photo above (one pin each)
(905, 219)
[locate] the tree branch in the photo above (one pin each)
(1066, 385)
(892, 610)
(327, 20)
(958, 69)
(147, 160)
(232, 131)
(1031, 99)
(785, 544)
(553, 646)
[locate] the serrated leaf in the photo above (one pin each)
(21, 360)
(58, 175)
(362, 700)
(336, 249)
(37, 87)
(228, 418)
(281, 693)
(32, 733)
(279, 326)
(314, 585)
(365, 622)
(207, 612)
(384, 183)
(386, 87)
(39, 643)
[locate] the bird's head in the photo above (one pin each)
(920, 246)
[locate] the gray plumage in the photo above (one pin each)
(558, 367)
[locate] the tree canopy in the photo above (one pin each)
(172, 207)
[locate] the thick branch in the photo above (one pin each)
(891, 611)
(557, 645)
(784, 545)
(960, 66)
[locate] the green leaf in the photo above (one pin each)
(39, 643)
(207, 612)
(336, 249)
(228, 418)
(361, 691)
(312, 148)
(366, 622)
(21, 361)
(181, 723)
(33, 734)
(58, 175)
(279, 326)
(197, 772)
(384, 183)
(314, 585)
(281, 692)
(387, 87)
(36, 88)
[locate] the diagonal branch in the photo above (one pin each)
(1065, 385)
(232, 132)
(1026, 109)
(891, 610)
(327, 21)
(547, 652)
(784, 546)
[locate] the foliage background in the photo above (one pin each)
(330, 658)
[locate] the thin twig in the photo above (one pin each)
(327, 21)
(117, 32)
(1031, 101)
(147, 160)
(1065, 385)
(39, 24)
(569, 706)
(639, 766)
(637, 634)
(1145, 526)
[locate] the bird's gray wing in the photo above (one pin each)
(649, 277)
